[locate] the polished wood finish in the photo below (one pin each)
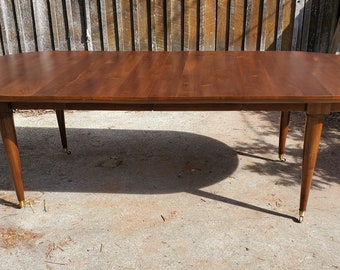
(9, 139)
(170, 77)
(271, 81)
(311, 144)
(314, 123)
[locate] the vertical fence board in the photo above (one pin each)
(335, 44)
(108, 25)
(190, 25)
(174, 25)
(93, 25)
(285, 25)
(319, 26)
(251, 38)
(236, 34)
(25, 25)
(158, 22)
(313, 25)
(306, 24)
(140, 20)
(334, 26)
(104, 24)
(70, 28)
(269, 25)
(88, 25)
(125, 31)
(328, 24)
(42, 25)
(8, 28)
(222, 25)
(279, 25)
(60, 38)
(298, 25)
(1, 42)
(76, 24)
(207, 25)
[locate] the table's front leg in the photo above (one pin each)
(9, 139)
(314, 123)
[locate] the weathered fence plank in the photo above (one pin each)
(93, 26)
(298, 25)
(1, 42)
(107, 11)
(269, 25)
(158, 23)
(329, 22)
(306, 25)
(76, 24)
(222, 26)
(42, 25)
(285, 25)
(313, 24)
(174, 25)
(25, 22)
(207, 25)
(190, 38)
(8, 29)
(237, 25)
(141, 25)
(335, 45)
(125, 31)
(251, 39)
(58, 21)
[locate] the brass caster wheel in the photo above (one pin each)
(301, 216)
(21, 204)
(282, 158)
(68, 152)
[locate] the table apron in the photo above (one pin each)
(335, 107)
(163, 106)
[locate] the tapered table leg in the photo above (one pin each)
(62, 129)
(285, 117)
(9, 139)
(314, 124)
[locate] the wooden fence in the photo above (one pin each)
(36, 25)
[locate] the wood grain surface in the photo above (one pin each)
(170, 77)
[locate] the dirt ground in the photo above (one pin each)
(168, 190)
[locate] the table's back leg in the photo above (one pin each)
(9, 139)
(313, 130)
(62, 129)
(285, 117)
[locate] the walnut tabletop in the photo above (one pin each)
(170, 77)
(270, 81)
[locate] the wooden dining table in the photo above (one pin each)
(172, 81)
